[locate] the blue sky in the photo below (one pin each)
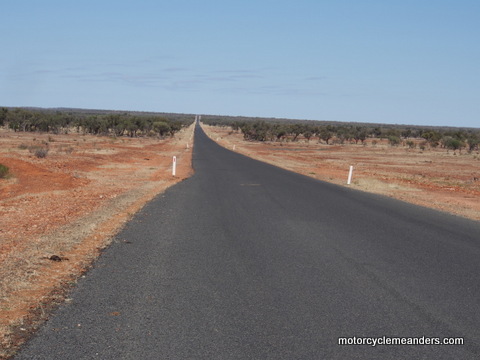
(406, 62)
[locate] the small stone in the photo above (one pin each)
(55, 258)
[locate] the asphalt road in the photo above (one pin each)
(247, 261)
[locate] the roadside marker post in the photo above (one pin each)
(174, 166)
(349, 181)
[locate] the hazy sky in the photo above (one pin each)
(402, 61)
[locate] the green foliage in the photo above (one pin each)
(3, 116)
(3, 171)
(109, 123)
(473, 142)
(308, 134)
(270, 129)
(174, 127)
(452, 143)
(257, 131)
(411, 144)
(297, 130)
(161, 127)
(279, 131)
(433, 138)
(406, 133)
(359, 134)
(325, 135)
(394, 140)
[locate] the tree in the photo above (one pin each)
(376, 132)
(161, 127)
(279, 131)
(116, 124)
(433, 138)
(473, 142)
(20, 120)
(359, 134)
(325, 135)
(256, 131)
(235, 126)
(453, 143)
(131, 127)
(174, 127)
(296, 130)
(94, 124)
(406, 133)
(3, 116)
(393, 140)
(307, 135)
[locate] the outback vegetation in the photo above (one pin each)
(94, 122)
(283, 130)
(3, 171)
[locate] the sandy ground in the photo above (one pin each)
(69, 205)
(435, 178)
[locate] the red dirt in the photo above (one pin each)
(69, 204)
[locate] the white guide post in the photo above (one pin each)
(174, 166)
(350, 175)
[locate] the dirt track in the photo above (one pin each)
(69, 204)
(435, 178)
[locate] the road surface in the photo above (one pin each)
(248, 261)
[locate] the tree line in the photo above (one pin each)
(328, 132)
(90, 122)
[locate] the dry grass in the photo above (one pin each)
(70, 205)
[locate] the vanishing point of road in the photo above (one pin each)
(248, 261)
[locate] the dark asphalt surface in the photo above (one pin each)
(247, 261)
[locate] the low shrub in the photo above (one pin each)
(38, 151)
(65, 149)
(41, 153)
(394, 140)
(3, 171)
(33, 148)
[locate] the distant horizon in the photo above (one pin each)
(381, 62)
(59, 108)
